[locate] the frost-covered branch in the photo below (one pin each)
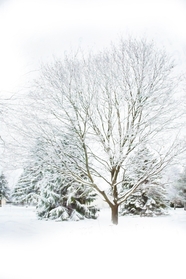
(113, 102)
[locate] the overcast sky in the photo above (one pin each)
(33, 31)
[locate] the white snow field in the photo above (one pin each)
(139, 247)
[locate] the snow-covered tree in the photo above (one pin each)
(26, 189)
(64, 199)
(178, 193)
(9, 142)
(113, 101)
(46, 182)
(61, 196)
(150, 198)
(146, 201)
(4, 189)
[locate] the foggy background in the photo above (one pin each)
(33, 32)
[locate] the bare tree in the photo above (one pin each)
(113, 102)
(9, 143)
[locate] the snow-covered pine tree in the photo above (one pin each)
(150, 198)
(26, 190)
(61, 196)
(179, 197)
(4, 189)
(46, 182)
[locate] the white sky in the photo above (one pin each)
(33, 31)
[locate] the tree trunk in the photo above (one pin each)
(114, 212)
(184, 205)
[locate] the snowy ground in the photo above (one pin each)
(137, 248)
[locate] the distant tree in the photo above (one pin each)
(178, 197)
(4, 189)
(149, 199)
(8, 135)
(26, 189)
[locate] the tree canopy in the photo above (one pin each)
(109, 103)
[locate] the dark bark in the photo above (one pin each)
(114, 207)
(184, 205)
(114, 214)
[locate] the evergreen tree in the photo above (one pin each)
(4, 189)
(26, 189)
(179, 193)
(61, 196)
(64, 199)
(150, 198)
(47, 182)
